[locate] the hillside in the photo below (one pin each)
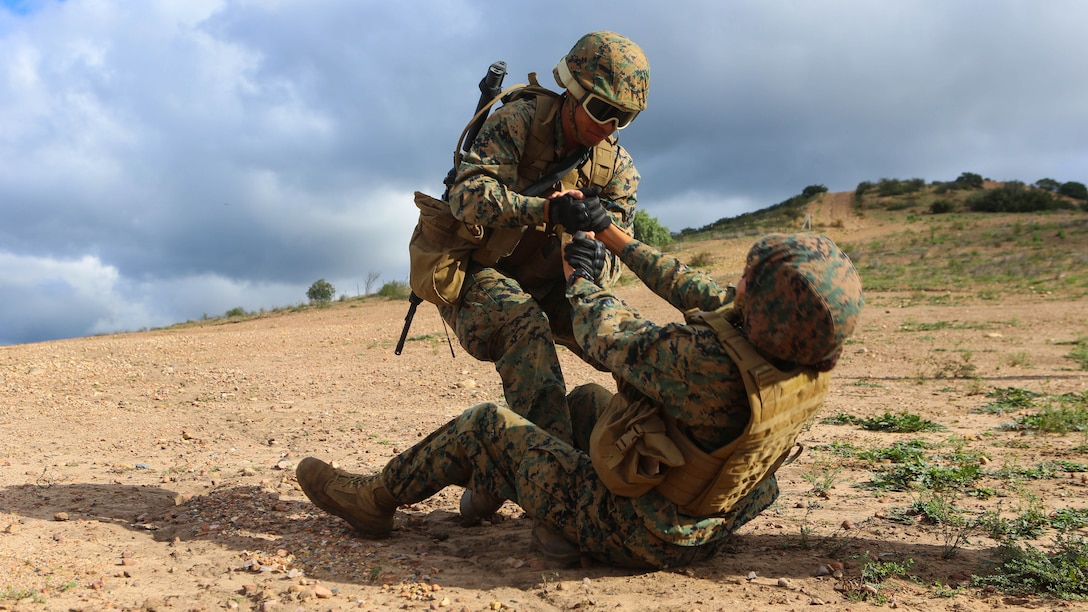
(154, 470)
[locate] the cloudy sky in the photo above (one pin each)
(168, 159)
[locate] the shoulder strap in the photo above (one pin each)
(756, 371)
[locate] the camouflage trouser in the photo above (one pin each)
(498, 321)
(494, 450)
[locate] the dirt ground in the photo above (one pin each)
(155, 470)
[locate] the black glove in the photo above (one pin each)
(579, 215)
(586, 256)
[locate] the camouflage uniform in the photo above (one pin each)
(681, 368)
(513, 313)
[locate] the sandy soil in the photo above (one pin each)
(155, 470)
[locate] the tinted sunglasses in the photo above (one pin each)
(602, 111)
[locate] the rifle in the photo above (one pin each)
(491, 86)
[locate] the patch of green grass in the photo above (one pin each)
(898, 452)
(1080, 352)
(1064, 414)
(1044, 471)
(14, 594)
(1009, 399)
(840, 418)
(879, 571)
(1028, 570)
(904, 422)
(1066, 519)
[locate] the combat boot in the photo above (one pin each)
(362, 501)
(553, 545)
(476, 506)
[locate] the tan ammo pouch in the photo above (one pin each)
(630, 447)
(781, 402)
(439, 252)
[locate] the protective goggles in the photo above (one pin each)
(600, 110)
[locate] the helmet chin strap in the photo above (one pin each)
(570, 102)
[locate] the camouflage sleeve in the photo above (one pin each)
(673, 281)
(483, 192)
(683, 368)
(620, 197)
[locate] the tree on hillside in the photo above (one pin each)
(969, 180)
(1048, 184)
(1074, 190)
(321, 291)
(813, 190)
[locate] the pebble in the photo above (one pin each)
(60, 516)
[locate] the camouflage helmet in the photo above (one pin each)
(609, 65)
(802, 298)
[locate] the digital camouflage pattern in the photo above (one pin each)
(681, 368)
(485, 189)
(611, 66)
(803, 299)
(491, 449)
(513, 316)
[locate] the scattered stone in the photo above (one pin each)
(783, 582)
(60, 516)
(751, 576)
(847, 524)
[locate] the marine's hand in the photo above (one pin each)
(574, 214)
(585, 258)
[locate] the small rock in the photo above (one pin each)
(783, 582)
(60, 516)
(322, 592)
(751, 576)
(847, 524)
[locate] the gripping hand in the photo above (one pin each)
(586, 257)
(586, 214)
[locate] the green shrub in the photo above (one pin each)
(942, 206)
(1013, 197)
(649, 230)
(395, 289)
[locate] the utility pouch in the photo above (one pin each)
(440, 251)
(630, 447)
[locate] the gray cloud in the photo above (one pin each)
(165, 161)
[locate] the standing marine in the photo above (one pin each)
(489, 256)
